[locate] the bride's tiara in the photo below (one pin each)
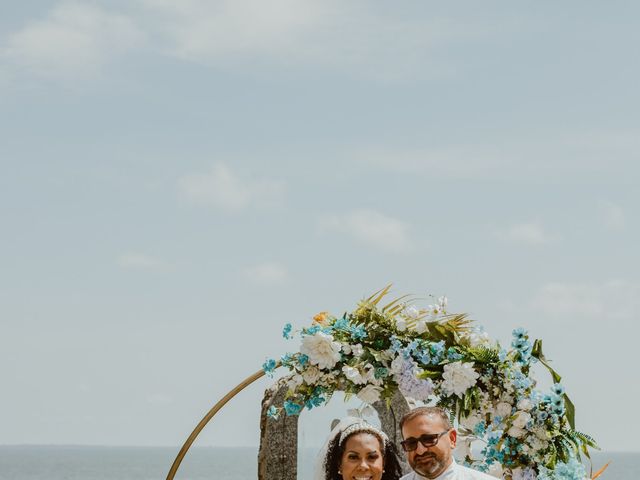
(359, 427)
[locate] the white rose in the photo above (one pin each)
(541, 433)
(353, 374)
(525, 404)
(521, 419)
(311, 375)
(294, 381)
(458, 377)
(471, 421)
(321, 349)
(370, 374)
(516, 432)
(369, 394)
(503, 409)
(495, 470)
(463, 448)
(397, 366)
(421, 326)
(357, 350)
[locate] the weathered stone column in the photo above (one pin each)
(390, 422)
(278, 454)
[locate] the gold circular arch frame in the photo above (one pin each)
(210, 414)
(223, 401)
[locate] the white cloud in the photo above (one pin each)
(224, 189)
(269, 273)
(139, 261)
(615, 299)
(526, 233)
(612, 216)
(370, 228)
(356, 35)
(74, 39)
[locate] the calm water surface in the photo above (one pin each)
(147, 463)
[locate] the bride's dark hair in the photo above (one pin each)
(335, 450)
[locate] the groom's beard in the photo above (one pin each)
(428, 464)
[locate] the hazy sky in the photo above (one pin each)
(179, 179)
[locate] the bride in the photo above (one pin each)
(356, 450)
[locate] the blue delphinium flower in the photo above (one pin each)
(303, 359)
(423, 357)
(341, 324)
(519, 333)
(557, 389)
(286, 331)
(269, 366)
(542, 415)
(273, 412)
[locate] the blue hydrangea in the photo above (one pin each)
(286, 331)
(572, 470)
(453, 355)
(502, 355)
(358, 333)
(292, 408)
(314, 401)
(273, 412)
(269, 366)
(312, 330)
(287, 359)
(437, 351)
(396, 345)
(381, 372)
(303, 359)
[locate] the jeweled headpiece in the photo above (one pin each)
(363, 426)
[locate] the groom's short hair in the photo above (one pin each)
(427, 411)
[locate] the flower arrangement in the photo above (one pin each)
(435, 357)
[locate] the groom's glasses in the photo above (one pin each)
(427, 440)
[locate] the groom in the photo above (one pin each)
(429, 440)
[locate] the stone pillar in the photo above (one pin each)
(278, 454)
(390, 422)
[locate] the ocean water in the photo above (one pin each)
(210, 463)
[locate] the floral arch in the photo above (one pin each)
(432, 356)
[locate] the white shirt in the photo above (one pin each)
(454, 472)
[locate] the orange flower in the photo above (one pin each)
(321, 318)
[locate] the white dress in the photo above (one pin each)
(454, 472)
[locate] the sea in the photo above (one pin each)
(200, 463)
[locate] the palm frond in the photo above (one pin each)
(484, 354)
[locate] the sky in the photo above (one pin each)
(179, 179)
